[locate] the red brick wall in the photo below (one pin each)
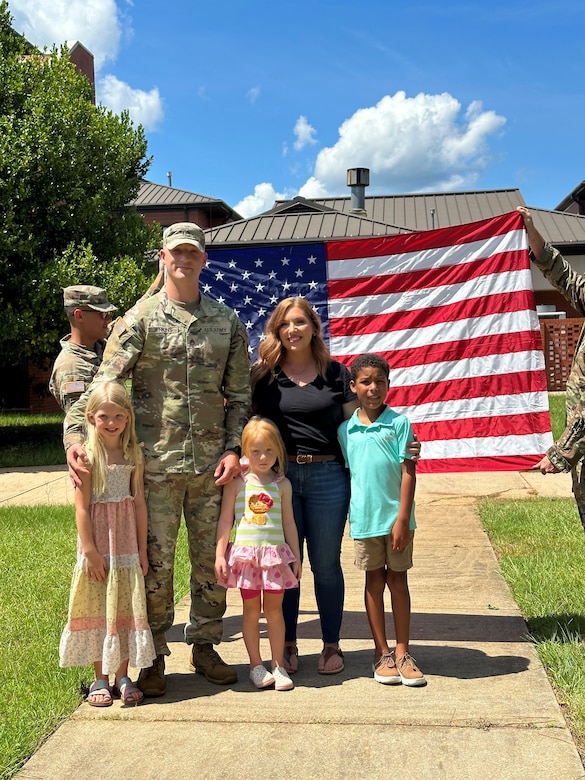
(554, 298)
(40, 399)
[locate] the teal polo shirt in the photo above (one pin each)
(374, 454)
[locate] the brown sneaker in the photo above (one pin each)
(409, 672)
(206, 661)
(385, 670)
(152, 681)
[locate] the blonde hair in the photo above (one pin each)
(260, 427)
(114, 393)
(271, 349)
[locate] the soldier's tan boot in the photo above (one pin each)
(205, 660)
(152, 681)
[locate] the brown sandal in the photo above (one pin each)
(331, 660)
(291, 657)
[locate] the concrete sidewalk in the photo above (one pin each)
(488, 710)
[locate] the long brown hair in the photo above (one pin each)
(271, 350)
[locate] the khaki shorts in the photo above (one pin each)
(376, 552)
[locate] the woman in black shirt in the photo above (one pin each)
(297, 385)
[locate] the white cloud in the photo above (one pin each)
(417, 144)
(409, 144)
(145, 108)
(262, 200)
(94, 23)
(253, 94)
(97, 24)
(304, 133)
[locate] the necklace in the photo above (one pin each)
(297, 375)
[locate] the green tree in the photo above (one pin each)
(67, 170)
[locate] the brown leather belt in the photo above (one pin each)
(306, 458)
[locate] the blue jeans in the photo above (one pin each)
(320, 503)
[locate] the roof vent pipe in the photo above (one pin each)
(357, 180)
(170, 178)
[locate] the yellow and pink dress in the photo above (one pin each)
(107, 620)
(258, 556)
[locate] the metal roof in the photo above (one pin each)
(303, 219)
(285, 228)
(427, 211)
(566, 231)
(160, 196)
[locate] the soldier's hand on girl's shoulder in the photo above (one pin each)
(78, 463)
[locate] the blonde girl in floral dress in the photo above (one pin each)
(107, 624)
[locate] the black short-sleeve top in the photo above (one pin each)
(307, 416)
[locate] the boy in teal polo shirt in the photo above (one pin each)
(381, 513)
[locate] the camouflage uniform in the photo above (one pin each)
(567, 453)
(183, 366)
(76, 365)
(73, 371)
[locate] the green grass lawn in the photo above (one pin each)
(540, 546)
(37, 550)
(539, 543)
(31, 440)
(556, 402)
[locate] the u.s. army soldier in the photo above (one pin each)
(89, 313)
(188, 359)
(568, 452)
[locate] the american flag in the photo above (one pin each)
(453, 312)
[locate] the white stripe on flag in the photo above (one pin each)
(429, 297)
(439, 257)
(488, 446)
(485, 365)
(444, 333)
(464, 408)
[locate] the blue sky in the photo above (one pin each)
(250, 102)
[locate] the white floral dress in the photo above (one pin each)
(107, 620)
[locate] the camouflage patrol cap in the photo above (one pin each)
(87, 295)
(183, 233)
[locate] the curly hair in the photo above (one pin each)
(369, 360)
(271, 349)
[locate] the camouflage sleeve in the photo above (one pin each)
(562, 276)
(570, 448)
(68, 382)
(237, 386)
(123, 349)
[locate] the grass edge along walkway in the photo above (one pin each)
(37, 550)
(540, 547)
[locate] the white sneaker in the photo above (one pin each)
(261, 677)
(282, 680)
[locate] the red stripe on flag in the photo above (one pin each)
(428, 239)
(383, 281)
(484, 463)
(498, 344)
(481, 427)
(469, 387)
(404, 320)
